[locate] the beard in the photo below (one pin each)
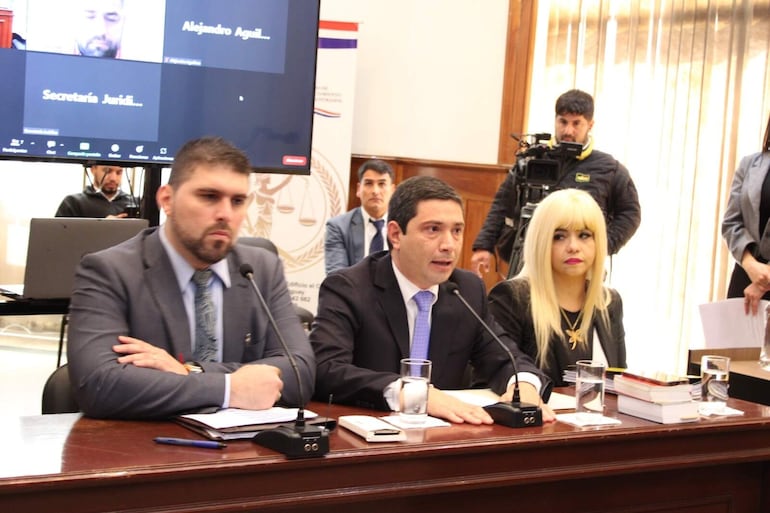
(89, 50)
(207, 252)
(109, 188)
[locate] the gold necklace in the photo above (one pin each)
(575, 335)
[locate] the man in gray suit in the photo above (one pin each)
(135, 312)
(357, 233)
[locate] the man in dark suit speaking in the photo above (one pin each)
(366, 315)
(165, 323)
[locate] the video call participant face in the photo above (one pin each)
(99, 27)
(374, 190)
(107, 178)
(428, 250)
(572, 128)
(204, 212)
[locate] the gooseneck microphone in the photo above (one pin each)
(514, 414)
(300, 440)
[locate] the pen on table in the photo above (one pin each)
(206, 444)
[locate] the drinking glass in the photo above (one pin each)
(413, 396)
(715, 375)
(589, 388)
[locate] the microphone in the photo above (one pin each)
(300, 440)
(514, 414)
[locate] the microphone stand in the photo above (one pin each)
(514, 414)
(301, 440)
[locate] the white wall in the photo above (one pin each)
(30, 189)
(430, 75)
(342, 10)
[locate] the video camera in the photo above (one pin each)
(538, 168)
(538, 164)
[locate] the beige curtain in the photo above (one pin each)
(682, 92)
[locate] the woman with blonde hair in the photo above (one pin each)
(557, 308)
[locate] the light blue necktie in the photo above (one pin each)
(421, 336)
(205, 319)
(377, 243)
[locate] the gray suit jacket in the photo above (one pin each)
(131, 289)
(740, 226)
(344, 244)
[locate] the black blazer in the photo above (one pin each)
(360, 334)
(510, 303)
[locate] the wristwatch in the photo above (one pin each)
(193, 368)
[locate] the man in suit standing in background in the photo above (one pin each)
(165, 323)
(361, 231)
(366, 315)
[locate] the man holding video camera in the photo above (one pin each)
(595, 172)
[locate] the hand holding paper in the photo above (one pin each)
(726, 325)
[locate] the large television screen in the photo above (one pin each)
(129, 81)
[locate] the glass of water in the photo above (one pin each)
(715, 375)
(589, 388)
(413, 396)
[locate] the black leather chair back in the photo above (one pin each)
(57, 393)
(305, 316)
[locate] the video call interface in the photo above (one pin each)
(132, 80)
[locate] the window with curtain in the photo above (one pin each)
(682, 92)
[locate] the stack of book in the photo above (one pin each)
(656, 396)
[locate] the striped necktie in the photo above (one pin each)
(205, 319)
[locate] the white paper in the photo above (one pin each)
(233, 417)
(584, 420)
(475, 396)
(559, 401)
(708, 409)
(484, 397)
(430, 422)
(725, 325)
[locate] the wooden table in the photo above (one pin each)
(66, 463)
(748, 381)
(750, 369)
